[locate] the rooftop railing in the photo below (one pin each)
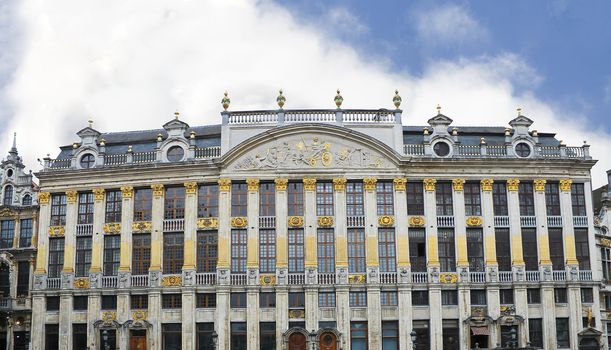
(501, 151)
(354, 116)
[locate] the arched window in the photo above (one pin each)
(5, 286)
(27, 200)
(8, 195)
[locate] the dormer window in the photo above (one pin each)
(9, 173)
(27, 200)
(441, 149)
(522, 150)
(175, 154)
(8, 195)
(87, 161)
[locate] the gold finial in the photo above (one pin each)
(159, 137)
(482, 141)
(438, 109)
(102, 142)
(129, 149)
(90, 121)
(176, 114)
(397, 99)
(280, 99)
(507, 131)
(338, 99)
(519, 109)
(454, 131)
(225, 101)
(192, 134)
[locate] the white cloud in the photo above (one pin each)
(131, 64)
(343, 20)
(448, 25)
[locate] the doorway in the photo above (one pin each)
(328, 341)
(137, 340)
(297, 341)
(479, 341)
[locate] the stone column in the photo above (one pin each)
(401, 227)
(67, 273)
(281, 241)
(157, 214)
(521, 303)
(371, 230)
(310, 225)
(282, 313)
(154, 317)
(93, 314)
(515, 230)
(127, 219)
(374, 317)
(97, 248)
(405, 317)
(494, 311)
(341, 241)
(43, 234)
(224, 237)
(549, 316)
(188, 318)
(542, 232)
(568, 231)
(223, 310)
(436, 331)
(488, 227)
(37, 327)
(252, 317)
(252, 257)
(460, 230)
(342, 302)
(430, 216)
(190, 236)
(123, 315)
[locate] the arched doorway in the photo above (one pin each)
(297, 341)
(328, 341)
(588, 344)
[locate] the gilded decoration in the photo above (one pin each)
(267, 280)
(8, 212)
(325, 221)
(142, 227)
(386, 220)
(239, 221)
(357, 279)
(458, 184)
(309, 184)
(606, 242)
(98, 194)
(44, 197)
(190, 187)
(339, 184)
(295, 221)
(127, 192)
(157, 190)
(513, 184)
(109, 316)
(71, 196)
(81, 283)
(139, 315)
(448, 278)
(486, 184)
(297, 313)
(478, 311)
(112, 228)
(224, 184)
(281, 184)
(474, 221)
(565, 185)
(57, 231)
(399, 183)
(416, 221)
(207, 223)
(313, 152)
(171, 281)
(253, 184)
(369, 183)
(540, 185)
(429, 184)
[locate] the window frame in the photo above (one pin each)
(141, 253)
(357, 253)
(325, 250)
(143, 204)
(355, 200)
(385, 201)
(239, 199)
(387, 249)
(239, 250)
(112, 255)
(526, 197)
(295, 198)
(208, 200)
(267, 199)
(114, 203)
(324, 198)
(267, 250)
(85, 208)
(82, 256)
(207, 250)
(296, 250)
(174, 203)
(58, 209)
(173, 252)
(473, 199)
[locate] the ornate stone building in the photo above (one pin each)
(602, 224)
(325, 229)
(18, 226)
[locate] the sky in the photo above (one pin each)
(129, 65)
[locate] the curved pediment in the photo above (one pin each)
(311, 146)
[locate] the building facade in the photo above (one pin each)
(326, 229)
(18, 227)
(602, 224)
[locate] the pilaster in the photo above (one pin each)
(222, 311)
(374, 317)
(97, 246)
(157, 214)
(281, 227)
(541, 213)
(405, 317)
(252, 318)
(127, 219)
(70, 237)
(460, 230)
(190, 235)
(464, 311)
(342, 302)
(494, 311)
(435, 311)
(154, 317)
(371, 229)
(37, 327)
(310, 225)
(123, 315)
(282, 313)
(252, 257)
(44, 219)
(575, 312)
(521, 302)
(568, 231)
(224, 232)
(401, 224)
(188, 319)
(488, 222)
(515, 229)
(93, 314)
(341, 242)
(311, 307)
(549, 316)
(430, 215)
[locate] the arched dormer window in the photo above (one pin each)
(8, 195)
(27, 200)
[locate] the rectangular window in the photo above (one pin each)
(326, 299)
(447, 252)
(112, 254)
(267, 251)
(384, 198)
(449, 297)
(506, 296)
(267, 199)
(415, 198)
(578, 199)
(52, 303)
(556, 248)
(390, 335)
(25, 234)
(206, 336)
(326, 250)
(83, 256)
(56, 256)
(109, 302)
(173, 252)
(388, 298)
(605, 254)
(58, 210)
(267, 335)
(296, 300)
(443, 195)
(417, 249)
(420, 297)
(503, 248)
(582, 248)
(475, 249)
(562, 333)
(324, 199)
(141, 253)
(449, 333)
(85, 208)
(587, 295)
(358, 336)
(238, 300)
(171, 301)
(527, 199)
(356, 250)
(267, 300)
(239, 199)
(7, 232)
(473, 200)
(174, 203)
(354, 199)
(422, 329)
(533, 295)
(113, 206)
(295, 198)
(529, 249)
(560, 296)
(296, 251)
(207, 251)
(51, 336)
(386, 249)
(208, 201)
(552, 199)
(80, 302)
(358, 299)
(171, 334)
(143, 204)
(23, 278)
(238, 336)
(535, 332)
(206, 300)
(499, 199)
(238, 251)
(139, 301)
(478, 297)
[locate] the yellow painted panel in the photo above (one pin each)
(126, 256)
(41, 258)
(156, 246)
(490, 249)
(341, 251)
(223, 252)
(310, 251)
(569, 249)
(189, 262)
(433, 255)
(281, 251)
(68, 258)
(252, 259)
(402, 249)
(372, 251)
(461, 245)
(516, 249)
(544, 255)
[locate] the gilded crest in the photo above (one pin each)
(296, 313)
(239, 221)
(109, 316)
(325, 221)
(142, 227)
(57, 231)
(416, 221)
(112, 228)
(357, 279)
(267, 280)
(171, 281)
(81, 283)
(386, 220)
(474, 221)
(295, 221)
(207, 223)
(448, 278)
(139, 315)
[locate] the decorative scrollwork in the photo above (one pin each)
(513, 184)
(239, 222)
(112, 228)
(565, 185)
(386, 220)
(207, 223)
(458, 184)
(295, 221)
(139, 315)
(399, 183)
(309, 184)
(267, 280)
(224, 184)
(57, 231)
(157, 190)
(540, 185)
(44, 197)
(142, 227)
(486, 185)
(281, 184)
(474, 221)
(369, 183)
(190, 187)
(429, 184)
(81, 283)
(357, 279)
(171, 281)
(448, 278)
(325, 221)
(416, 221)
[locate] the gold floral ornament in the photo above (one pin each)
(81, 283)
(386, 220)
(339, 184)
(565, 185)
(540, 185)
(448, 278)
(112, 228)
(127, 192)
(253, 184)
(207, 223)
(296, 313)
(267, 280)
(224, 184)
(280, 99)
(239, 221)
(605, 242)
(429, 184)
(157, 190)
(396, 100)
(142, 227)
(474, 221)
(109, 316)
(225, 101)
(171, 281)
(71, 196)
(281, 184)
(369, 183)
(44, 197)
(486, 185)
(458, 184)
(325, 221)
(399, 183)
(338, 99)
(357, 279)
(98, 194)
(295, 221)
(309, 184)
(57, 231)
(416, 221)
(513, 184)
(190, 187)
(139, 315)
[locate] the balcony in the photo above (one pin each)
(580, 221)
(477, 277)
(355, 221)
(267, 222)
(585, 275)
(505, 276)
(445, 221)
(173, 225)
(559, 275)
(500, 151)
(554, 221)
(420, 277)
(501, 221)
(528, 221)
(53, 283)
(205, 278)
(296, 279)
(140, 280)
(5, 303)
(84, 229)
(326, 278)
(388, 277)
(532, 276)
(110, 281)
(238, 279)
